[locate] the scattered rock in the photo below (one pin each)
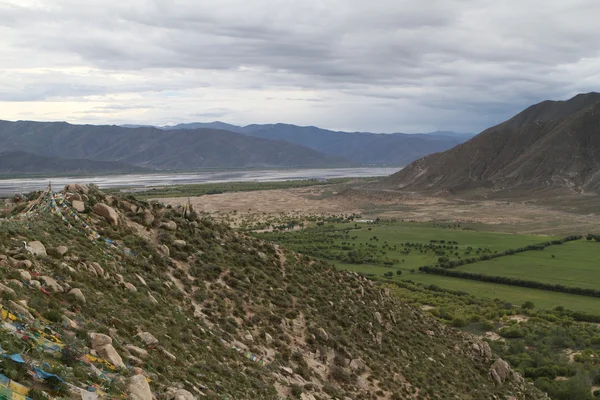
(25, 264)
(69, 323)
(107, 212)
(22, 311)
(25, 275)
(138, 351)
(164, 250)
(138, 388)
(78, 205)
(99, 270)
(108, 352)
(268, 338)
(62, 250)
(378, 317)
(147, 338)
(35, 284)
(52, 284)
(174, 393)
(148, 217)
(77, 294)
(248, 336)
(500, 371)
(179, 243)
(73, 197)
(99, 340)
(152, 299)
(135, 361)
(36, 248)
(322, 334)
(171, 225)
(168, 355)
(130, 287)
(6, 289)
(287, 370)
(141, 280)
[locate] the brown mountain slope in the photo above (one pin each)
(553, 144)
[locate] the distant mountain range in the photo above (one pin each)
(199, 146)
(20, 162)
(553, 144)
(362, 147)
(159, 149)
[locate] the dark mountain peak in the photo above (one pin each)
(552, 144)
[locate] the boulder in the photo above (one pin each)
(78, 205)
(19, 309)
(109, 353)
(138, 351)
(81, 188)
(62, 250)
(25, 275)
(73, 197)
(148, 217)
(133, 360)
(147, 338)
(99, 270)
(141, 280)
(36, 248)
(6, 289)
(36, 284)
(138, 388)
(99, 340)
(170, 225)
(152, 299)
(164, 250)
(168, 355)
(69, 323)
(500, 371)
(52, 284)
(322, 334)
(179, 243)
(107, 212)
(268, 338)
(130, 287)
(77, 294)
(378, 317)
(178, 394)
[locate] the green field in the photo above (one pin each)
(574, 264)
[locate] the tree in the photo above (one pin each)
(528, 305)
(398, 272)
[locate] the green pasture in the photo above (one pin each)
(575, 264)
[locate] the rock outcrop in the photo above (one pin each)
(107, 212)
(138, 388)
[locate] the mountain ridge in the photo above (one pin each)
(552, 144)
(159, 149)
(27, 163)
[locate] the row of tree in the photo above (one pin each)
(510, 281)
(485, 257)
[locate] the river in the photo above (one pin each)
(133, 181)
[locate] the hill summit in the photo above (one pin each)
(109, 296)
(553, 144)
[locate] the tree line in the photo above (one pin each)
(510, 281)
(485, 257)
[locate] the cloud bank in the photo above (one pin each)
(384, 66)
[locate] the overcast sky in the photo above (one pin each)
(357, 65)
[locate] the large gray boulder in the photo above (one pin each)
(109, 353)
(52, 284)
(147, 338)
(500, 371)
(138, 388)
(78, 205)
(76, 293)
(36, 248)
(99, 340)
(107, 212)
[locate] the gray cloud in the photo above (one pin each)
(356, 64)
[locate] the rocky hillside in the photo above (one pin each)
(20, 162)
(110, 296)
(159, 149)
(553, 144)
